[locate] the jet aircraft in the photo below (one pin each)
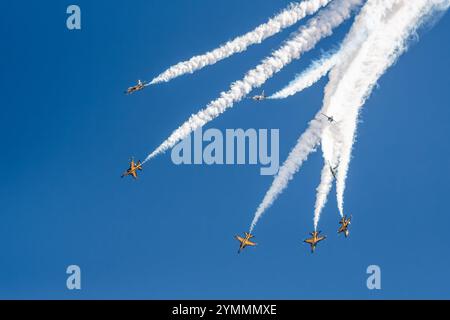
(314, 240)
(330, 119)
(245, 241)
(333, 170)
(345, 223)
(132, 170)
(259, 97)
(140, 85)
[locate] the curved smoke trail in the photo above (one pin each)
(286, 18)
(330, 157)
(306, 144)
(307, 78)
(381, 53)
(312, 136)
(368, 22)
(305, 39)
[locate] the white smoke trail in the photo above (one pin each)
(306, 144)
(381, 57)
(326, 181)
(312, 136)
(307, 78)
(288, 17)
(370, 19)
(323, 190)
(307, 37)
(380, 53)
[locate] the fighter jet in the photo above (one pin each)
(259, 97)
(314, 240)
(330, 119)
(345, 222)
(140, 85)
(333, 170)
(132, 170)
(245, 241)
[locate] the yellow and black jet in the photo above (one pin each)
(140, 85)
(314, 240)
(345, 223)
(245, 241)
(132, 170)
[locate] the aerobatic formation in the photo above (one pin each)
(377, 38)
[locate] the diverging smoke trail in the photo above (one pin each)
(312, 136)
(330, 157)
(326, 181)
(369, 20)
(305, 39)
(380, 53)
(307, 78)
(288, 17)
(306, 144)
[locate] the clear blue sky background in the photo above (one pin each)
(67, 131)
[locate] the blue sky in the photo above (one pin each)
(67, 132)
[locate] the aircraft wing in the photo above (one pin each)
(310, 241)
(320, 238)
(134, 174)
(250, 243)
(239, 239)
